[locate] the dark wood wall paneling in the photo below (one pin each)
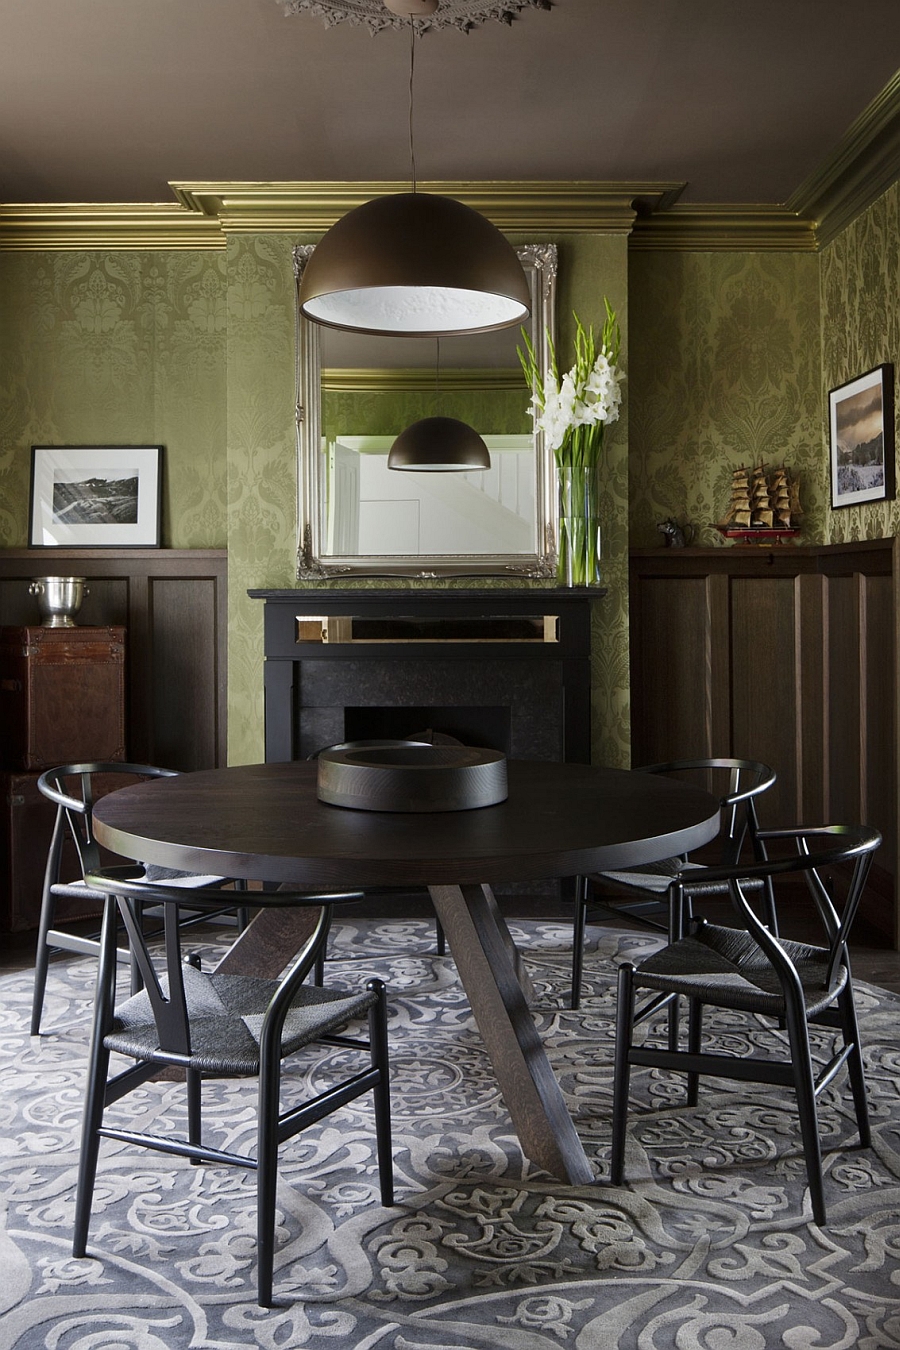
(788, 655)
(173, 604)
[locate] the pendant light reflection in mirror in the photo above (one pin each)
(439, 444)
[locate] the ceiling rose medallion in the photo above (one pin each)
(427, 14)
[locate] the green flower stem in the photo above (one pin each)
(578, 559)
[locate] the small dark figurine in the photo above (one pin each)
(674, 534)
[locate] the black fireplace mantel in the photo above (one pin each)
(505, 667)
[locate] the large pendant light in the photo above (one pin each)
(439, 445)
(414, 263)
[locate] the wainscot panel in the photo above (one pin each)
(788, 655)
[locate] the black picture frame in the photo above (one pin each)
(95, 496)
(861, 435)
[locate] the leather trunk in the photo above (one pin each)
(62, 696)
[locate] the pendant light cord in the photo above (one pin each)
(412, 68)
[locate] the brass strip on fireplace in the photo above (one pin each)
(404, 629)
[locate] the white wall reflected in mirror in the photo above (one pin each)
(372, 510)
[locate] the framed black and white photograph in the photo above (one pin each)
(861, 416)
(95, 496)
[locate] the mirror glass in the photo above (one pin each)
(356, 392)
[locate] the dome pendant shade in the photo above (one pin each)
(414, 264)
(439, 445)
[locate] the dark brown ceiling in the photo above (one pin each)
(111, 100)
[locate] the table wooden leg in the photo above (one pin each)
(489, 965)
(271, 939)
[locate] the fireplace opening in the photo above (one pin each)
(485, 727)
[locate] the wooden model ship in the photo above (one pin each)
(764, 506)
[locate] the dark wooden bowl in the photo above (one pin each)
(412, 778)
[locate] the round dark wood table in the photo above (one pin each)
(264, 822)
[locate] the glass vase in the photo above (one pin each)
(578, 542)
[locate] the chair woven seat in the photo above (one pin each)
(725, 967)
(226, 1014)
(661, 894)
(658, 877)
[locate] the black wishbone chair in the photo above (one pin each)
(647, 893)
(223, 1025)
(73, 788)
(751, 970)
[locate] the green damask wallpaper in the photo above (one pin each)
(499, 411)
(724, 371)
(111, 347)
(262, 479)
(860, 287)
(729, 357)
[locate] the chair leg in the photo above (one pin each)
(441, 937)
(194, 1108)
(578, 927)
(804, 1086)
(676, 899)
(90, 1149)
(695, 1033)
(266, 1178)
(674, 1021)
(622, 1074)
(382, 1092)
(98, 1069)
(850, 1027)
(41, 962)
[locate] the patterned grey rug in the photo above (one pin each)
(710, 1246)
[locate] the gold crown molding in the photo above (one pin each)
(865, 163)
(105, 225)
(720, 227)
(347, 380)
(205, 214)
(254, 208)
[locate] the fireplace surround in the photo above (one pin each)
(506, 669)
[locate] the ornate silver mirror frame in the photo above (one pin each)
(315, 561)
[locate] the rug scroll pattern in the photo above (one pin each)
(709, 1246)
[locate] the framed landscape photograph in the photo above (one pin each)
(861, 415)
(95, 496)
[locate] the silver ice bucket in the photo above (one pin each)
(59, 599)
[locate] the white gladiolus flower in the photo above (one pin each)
(588, 396)
(572, 414)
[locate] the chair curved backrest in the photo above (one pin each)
(128, 885)
(75, 803)
(814, 849)
(737, 783)
(74, 788)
